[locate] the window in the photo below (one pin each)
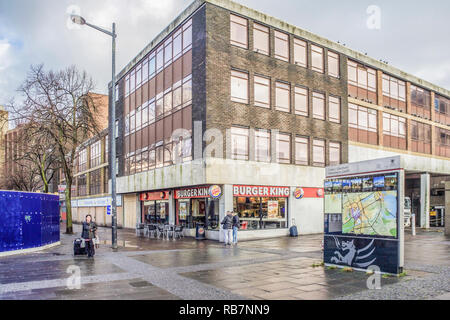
(168, 102)
(238, 31)
(239, 143)
(335, 153)
(362, 123)
(442, 109)
(82, 160)
(168, 52)
(317, 58)
(282, 97)
(152, 66)
(318, 153)
(145, 71)
(394, 131)
(334, 109)
(281, 46)
(187, 90)
(95, 154)
(81, 183)
(283, 148)
(394, 93)
(262, 145)
(177, 44)
(318, 102)
(262, 92)
(239, 86)
(442, 142)
(333, 64)
(94, 182)
(362, 83)
(421, 137)
(420, 102)
(301, 151)
(301, 101)
(187, 36)
(300, 53)
(261, 39)
(159, 59)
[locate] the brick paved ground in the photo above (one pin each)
(280, 268)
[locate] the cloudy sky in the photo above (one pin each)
(413, 35)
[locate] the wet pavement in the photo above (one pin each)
(279, 268)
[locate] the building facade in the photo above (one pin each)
(231, 109)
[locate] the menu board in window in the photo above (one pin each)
(272, 209)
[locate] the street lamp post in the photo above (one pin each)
(111, 122)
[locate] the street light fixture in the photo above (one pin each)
(111, 122)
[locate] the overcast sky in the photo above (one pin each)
(413, 35)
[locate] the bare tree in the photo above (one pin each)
(61, 109)
(38, 150)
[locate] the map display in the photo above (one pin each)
(370, 213)
(333, 203)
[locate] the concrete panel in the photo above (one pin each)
(308, 214)
(447, 208)
(131, 209)
(410, 162)
(227, 171)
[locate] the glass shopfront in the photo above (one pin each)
(155, 207)
(261, 207)
(194, 206)
(156, 211)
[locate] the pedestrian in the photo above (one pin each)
(227, 223)
(236, 226)
(88, 234)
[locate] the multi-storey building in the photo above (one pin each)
(231, 109)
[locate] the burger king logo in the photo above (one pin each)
(299, 193)
(319, 192)
(215, 191)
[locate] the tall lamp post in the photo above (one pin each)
(112, 123)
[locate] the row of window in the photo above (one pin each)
(283, 98)
(95, 158)
(159, 155)
(240, 142)
(176, 44)
(164, 104)
(261, 44)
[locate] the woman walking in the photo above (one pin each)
(88, 234)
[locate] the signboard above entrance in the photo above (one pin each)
(260, 191)
(197, 192)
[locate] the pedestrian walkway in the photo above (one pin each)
(279, 268)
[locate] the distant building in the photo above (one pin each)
(90, 184)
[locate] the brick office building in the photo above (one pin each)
(231, 109)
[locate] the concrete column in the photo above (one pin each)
(408, 97)
(172, 208)
(425, 200)
(225, 204)
(251, 145)
(447, 208)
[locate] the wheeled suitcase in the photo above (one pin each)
(79, 247)
(293, 232)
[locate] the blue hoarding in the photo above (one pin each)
(28, 220)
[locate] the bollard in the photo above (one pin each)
(413, 224)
